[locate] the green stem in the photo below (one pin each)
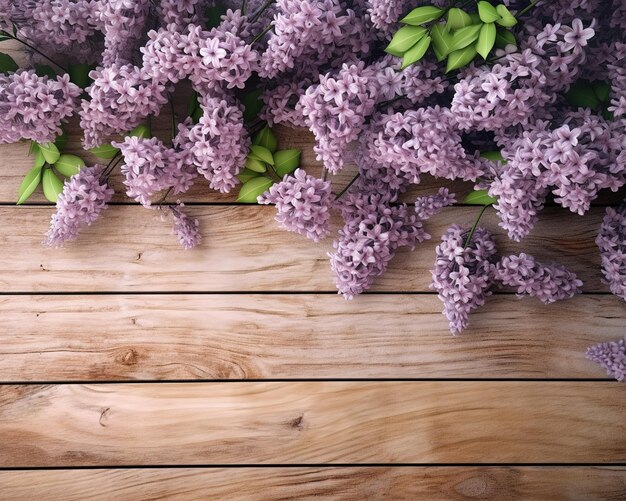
(471, 233)
(260, 35)
(527, 8)
(243, 7)
(173, 113)
(347, 187)
(324, 174)
(111, 165)
(34, 49)
(164, 196)
(261, 11)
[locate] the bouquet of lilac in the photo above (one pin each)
(524, 98)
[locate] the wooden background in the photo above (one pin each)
(133, 369)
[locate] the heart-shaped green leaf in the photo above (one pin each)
(255, 165)
(486, 39)
(39, 159)
(29, 184)
(487, 12)
(504, 38)
(506, 18)
(43, 70)
(479, 197)
(106, 151)
(581, 94)
(494, 156)
(442, 41)
(460, 58)
(261, 153)
(253, 104)
(266, 138)
(7, 64)
(286, 161)
(68, 165)
(405, 38)
(79, 74)
(602, 90)
(252, 189)
(416, 52)
(142, 131)
(50, 152)
(422, 15)
(465, 36)
(52, 185)
(247, 174)
(214, 15)
(458, 18)
(32, 148)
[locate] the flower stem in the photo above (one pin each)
(527, 8)
(243, 7)
(260, 35)
(471, 233)
(34, 49)
(111, 165)
(258, 14)
(324, 174)
(164, 196)
(173, 113)
(347, 187)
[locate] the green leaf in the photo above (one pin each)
(214, 15)
(253, 188)
(416, 52)
(43, 70)
(442, 41)
(286, 161)
(50, 152)
(39, 159)
(266, 138)
(506, 18)
(7, 64)
(422, 15)
(504, 38)
(197, 115)
(486, 39)
(52, 185)
(106, 151)
(460, 58)
(602, 90)
(582, 95)
(487, 12)
(247, 174)
(479, 197)
(253, 105)
(68, 165)
(29, 184)
(61, 141)
(465, 36)
(142, 131)
(261, 153)
(33, 147)
(79, 74)
(193, 103)
(255, 165)
(458, 18)
(405, 38)
(494, 156)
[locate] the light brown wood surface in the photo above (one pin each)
(117, 337)
(207, 314)
(332, 483)
(312, 422)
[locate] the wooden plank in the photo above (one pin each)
(131, 249)
(74, 338)
(313, 422)
(348, 484)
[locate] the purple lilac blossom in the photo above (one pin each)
(463, 275)
(185, 228)
(33, 107)
(429, 205)
(303, 204)
(612, 243)
(85, 195)
(548, 283)
(610, 356)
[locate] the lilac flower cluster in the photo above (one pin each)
(303, 204)
(612, 243)
(84, 197)
(185, 228)
(33, 107)
(610, 356)
(429, 205)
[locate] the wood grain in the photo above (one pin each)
(315, 422)
(347, 484)
(74, 338)
(131, 249)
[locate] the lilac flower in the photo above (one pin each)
(33, 107)
(385, 14)
(548, 283)
(84, 196)
(427, 206)
(611, 356)
(185, 228)
(575, 38)
(303, 204)
(281, 103)
(463, 275)
(612, 243)
(176, 15)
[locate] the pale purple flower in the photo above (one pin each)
(84, 196)
(302, 203)
(185, 228)
(612, 243)
(429, 205)
(575, 38)
(610, 356)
